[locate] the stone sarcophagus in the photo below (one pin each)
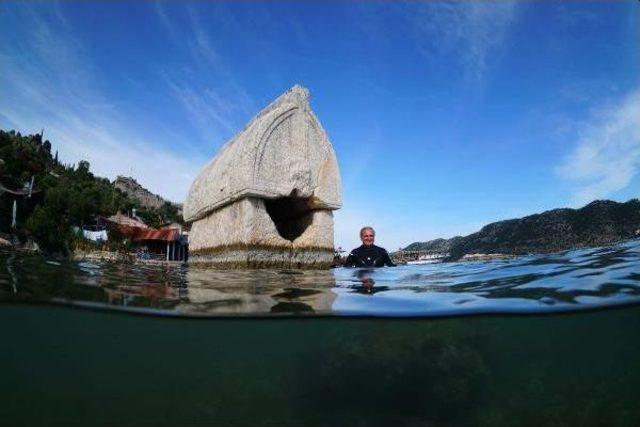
(266, 199)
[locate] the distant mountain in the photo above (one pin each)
(601, 222)
(133, 189)
(437, 246)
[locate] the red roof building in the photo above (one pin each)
(165, 244)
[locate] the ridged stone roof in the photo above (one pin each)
(283, 151)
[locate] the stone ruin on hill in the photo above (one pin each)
(266, 199)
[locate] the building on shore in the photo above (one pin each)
(166, 244)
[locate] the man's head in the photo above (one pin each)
(367, 235)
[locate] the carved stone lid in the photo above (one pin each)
(283, 151)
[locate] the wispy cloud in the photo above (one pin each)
(204, 84)
(200, 43)
(472, 31)
(112, 150)
(570, 16)
(580, 90)
(53, 86)
(168, 22)
(606, 156)
(204, 106)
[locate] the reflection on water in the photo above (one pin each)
(569, 280)
(63, 366)
(363, 282)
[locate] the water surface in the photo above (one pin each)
(572, 280)
(536, 340)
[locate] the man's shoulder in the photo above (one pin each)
(367, 249)
(363, 247)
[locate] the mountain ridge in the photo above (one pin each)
(599, 223)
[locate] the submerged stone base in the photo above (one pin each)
(239, 256)
(258, 233)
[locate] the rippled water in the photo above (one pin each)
(571, 280)
(554, 363)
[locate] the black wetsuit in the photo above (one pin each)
(369, 256)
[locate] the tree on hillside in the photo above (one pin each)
(66, 196)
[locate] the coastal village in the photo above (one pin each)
(167, 243)
(64, 210)
(266, 200)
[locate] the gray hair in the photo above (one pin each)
(363, 229)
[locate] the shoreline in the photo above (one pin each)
(124, 257)
(131, 258)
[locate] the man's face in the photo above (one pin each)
(367, 237)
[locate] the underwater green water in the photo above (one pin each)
(66, 366)
(539, 340)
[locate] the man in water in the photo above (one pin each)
(368, 255)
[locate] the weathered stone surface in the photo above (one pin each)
(136, 191)
(266, 199)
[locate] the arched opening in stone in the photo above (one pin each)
(291, 215)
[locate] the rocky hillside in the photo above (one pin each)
(137, 192)
(437, 246)
(599, 223)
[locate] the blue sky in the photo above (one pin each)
(444, 116)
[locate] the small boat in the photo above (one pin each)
(424, 261)
(427, 259)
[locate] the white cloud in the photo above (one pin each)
(199, 42)
(473, 31)
(606, 155)
(212, 107)
(166, 20)
(110, 149)
(205, 107)
(54, 87)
